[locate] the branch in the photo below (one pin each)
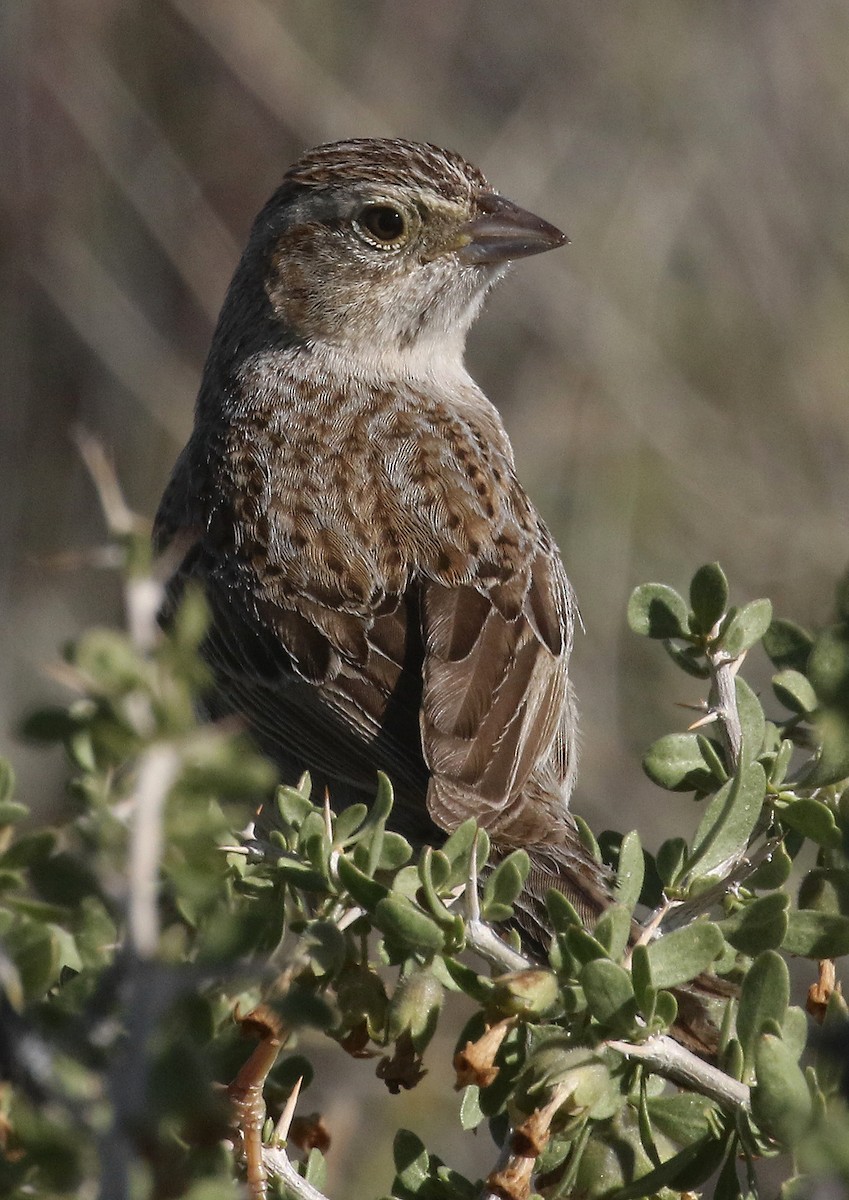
(677, 1064)
(662, 1053)
(158, 768)
(142, 592)
(277, 1163)
(722, 700)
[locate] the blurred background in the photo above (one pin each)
(676, 383)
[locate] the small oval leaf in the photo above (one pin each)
(657, 611)
(676, 762)
(681, 955)
(813, 934)
(745, 627)
(764, 996)
(794, 691)
(708, 596)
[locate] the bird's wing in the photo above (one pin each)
(496, 706)
(323, 690)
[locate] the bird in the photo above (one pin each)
(383, 594)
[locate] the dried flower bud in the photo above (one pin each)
(513, 1180)
(404, 1069)
(819, 993)
(475, 1063)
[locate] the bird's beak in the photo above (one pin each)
(504, 231)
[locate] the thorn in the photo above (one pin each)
(707, 719)
(328, 814)
(281, 1129)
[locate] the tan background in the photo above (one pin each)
(675, 382)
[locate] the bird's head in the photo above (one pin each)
(385, 248)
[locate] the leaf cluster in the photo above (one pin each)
(121, 1047)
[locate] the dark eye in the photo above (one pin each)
(383, 225)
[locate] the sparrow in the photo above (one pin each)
(383, 593)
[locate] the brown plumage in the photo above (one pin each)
(384, 595)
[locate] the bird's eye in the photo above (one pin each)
(382, 225)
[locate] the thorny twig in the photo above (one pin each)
(143, 592)
(661, 1053)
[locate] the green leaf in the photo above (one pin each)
(326, 947)
(781, 1102)
(732, 1060)
(828, 667)
(111, 660)
(364, 891)
(630, 871)
(676, 762)
(759, 925)
(610, 995)
(657, 611)
(745, 627)
(11, 812)
(691, 659)
(708, 597)
(293, 805)
(641, 979)
(773, 871)
(670, 859)
(31, 848)
(561, 912)
(686, 1169)
(412, 1166)
(815, 820)
(301, 1007)
(788, 644)
(794, 1031)
(728, 1185)
(588, 838)
(778, 770)
(414, 1008)
(832, 762)
(583, 945)
(458, 850)
(438, 910)
(395, 850)
(477, 987)
(681, 955)
(794, 691)
(684, 1118)
(399, 919)
(728, 821)
(470, 1108)
(298, 875)
(816, 935)
(764, 997)
(34, 950)
(347, 822)
(752, 720)
(503, 885)
(826, 889)
(613, 930)
(314, 1170)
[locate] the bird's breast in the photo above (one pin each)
(353, 486)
